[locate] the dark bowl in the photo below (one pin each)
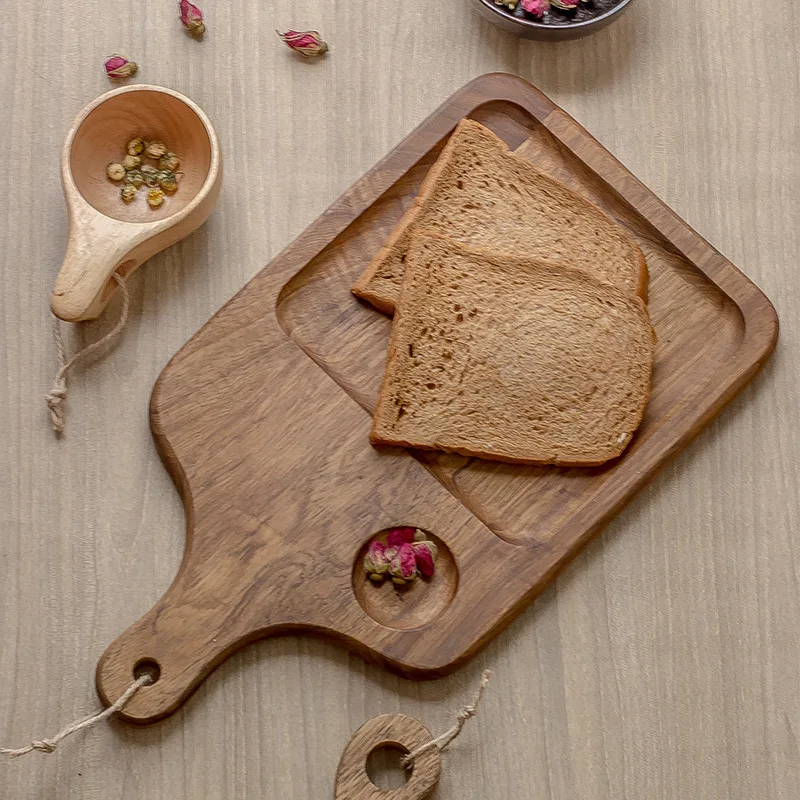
(530, 29)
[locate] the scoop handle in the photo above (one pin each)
(97, 248)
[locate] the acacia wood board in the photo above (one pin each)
(263, 421)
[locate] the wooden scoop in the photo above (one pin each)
(106, 234)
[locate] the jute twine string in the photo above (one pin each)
(442, 741)
(58, 391)
(49, 745)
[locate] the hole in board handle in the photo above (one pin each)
(149, 667)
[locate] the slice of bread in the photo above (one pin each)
(513, 360)
(480, 193)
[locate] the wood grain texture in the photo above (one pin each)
(662, 664)
(397, 730)
(283, 490)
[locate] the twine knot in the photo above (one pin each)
(44, 746)
(58, 391)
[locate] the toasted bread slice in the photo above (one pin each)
(481, 194)
(514, 360)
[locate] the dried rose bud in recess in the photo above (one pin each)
(403, 565)
(565, 5)
(425, 555)
(155, 150)
(119, 67)
(376, 565)
(155, 197)
(398, 536)
(535, 7)
(307, 43)
(192, 18)
(131, 162)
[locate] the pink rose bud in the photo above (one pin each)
(565, 5)
(425, 554)
(119, 67)
(376, 564)
(398, 536)
(403, 566)
(192, 18)
(307, 43)
(536, 7)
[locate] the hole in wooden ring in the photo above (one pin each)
(149, 667)
(385, 767)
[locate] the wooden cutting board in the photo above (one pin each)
(263, 421)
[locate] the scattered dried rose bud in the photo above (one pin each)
(116, 172)
(131, 162)
(192, 18)
(155, 150)
(535, 7)
(376, 565)
(135, 147)
(128, 193)
(168, 181)
(169, 162)
(509, 4)
(119, 67)
(398, 536)
(155, 197)
(306, 43)
(565, 5)
(403, 565)
(134, 178)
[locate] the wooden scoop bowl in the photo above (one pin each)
(106, 235)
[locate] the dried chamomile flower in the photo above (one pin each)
(135, 147)
(134, 178)
(169, 162)
(169, 182)
(155, 150)
(155, 197)
(116, 172)
(128, 193)
(131, 162)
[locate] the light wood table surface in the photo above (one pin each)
(664, 663)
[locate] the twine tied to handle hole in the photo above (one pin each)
(444, 740)
(58, 391)
(49, 745)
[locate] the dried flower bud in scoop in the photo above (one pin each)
(403, 566)
(128, 193)
(169, 162)
(131, 162)
(306, 43)
(535, 7)
(168, 181)
(116, 172)
(155, 197)
(155, 150)
(135, 147)
(120, 67)
(509, 4)
(565, 5)
(192, 18)
(134, 178)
